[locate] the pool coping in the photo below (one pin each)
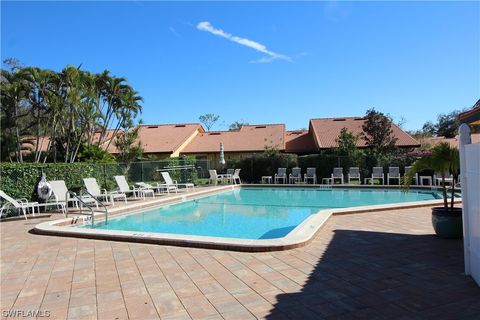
(303, 234)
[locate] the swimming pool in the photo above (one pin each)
(253, 213)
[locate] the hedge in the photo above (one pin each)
(20, 180)
(267, 164)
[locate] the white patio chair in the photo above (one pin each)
(94, 189)
(311, 174)
(415, 177)
(437, 178)
(354, 174)
(377, 173)
(21, 204)
(236, 176)
(60, 194)
(281, 175)
(337, 174)
(124, 187)
(393, 173)
(169, 182)
(295, 176)
(213, 179)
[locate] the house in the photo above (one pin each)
(245, 142)
(190, 139)
(472, 116)
(322, 134)
(165, 140)
(325, 131)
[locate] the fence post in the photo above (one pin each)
(141, 171)
(465, 139)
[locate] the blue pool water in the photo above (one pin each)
(253, 213)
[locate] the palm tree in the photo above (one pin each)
(443, 159)
(13, 109)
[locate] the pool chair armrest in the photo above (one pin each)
(22, 200)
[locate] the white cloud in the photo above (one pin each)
(206, 26)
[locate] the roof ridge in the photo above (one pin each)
(332, 118)
(170, 124)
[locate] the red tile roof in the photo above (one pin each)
(326, 130)
(453, 142)
(300, 141)
(250, 138)
(164, 138)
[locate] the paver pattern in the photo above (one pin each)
(379, 265)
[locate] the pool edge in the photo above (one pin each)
(302, 235)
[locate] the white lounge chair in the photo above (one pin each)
(377, 173)
(337, 175)
(60, 194)
(415, 177)
(310, 175)
(169, 182)
(295, 176)
(236, 176)
(21, 204)
(93, 188)
(281, 175)
(24, 205)
(354, 174)
(147, 186)
(137, 192)
(393, 173)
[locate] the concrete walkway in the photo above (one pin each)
(382, 265)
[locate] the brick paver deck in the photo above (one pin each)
(382, 265)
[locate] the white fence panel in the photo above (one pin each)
(472, 157)
(470, 182)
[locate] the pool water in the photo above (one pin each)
(253, 213)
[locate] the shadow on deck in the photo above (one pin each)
(376, 275)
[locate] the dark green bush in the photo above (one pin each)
(265, 164)
(20, 179)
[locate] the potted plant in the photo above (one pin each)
(446, 220)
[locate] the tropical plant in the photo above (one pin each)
(62, 110)
(443, 159)
(208, 120)
(127, 144)
(93, 153)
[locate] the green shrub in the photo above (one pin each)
(265, 164)
(20, 179)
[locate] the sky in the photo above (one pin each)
(263, 62)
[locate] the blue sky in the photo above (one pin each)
(263, 62)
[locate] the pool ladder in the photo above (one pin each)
(83, 203)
